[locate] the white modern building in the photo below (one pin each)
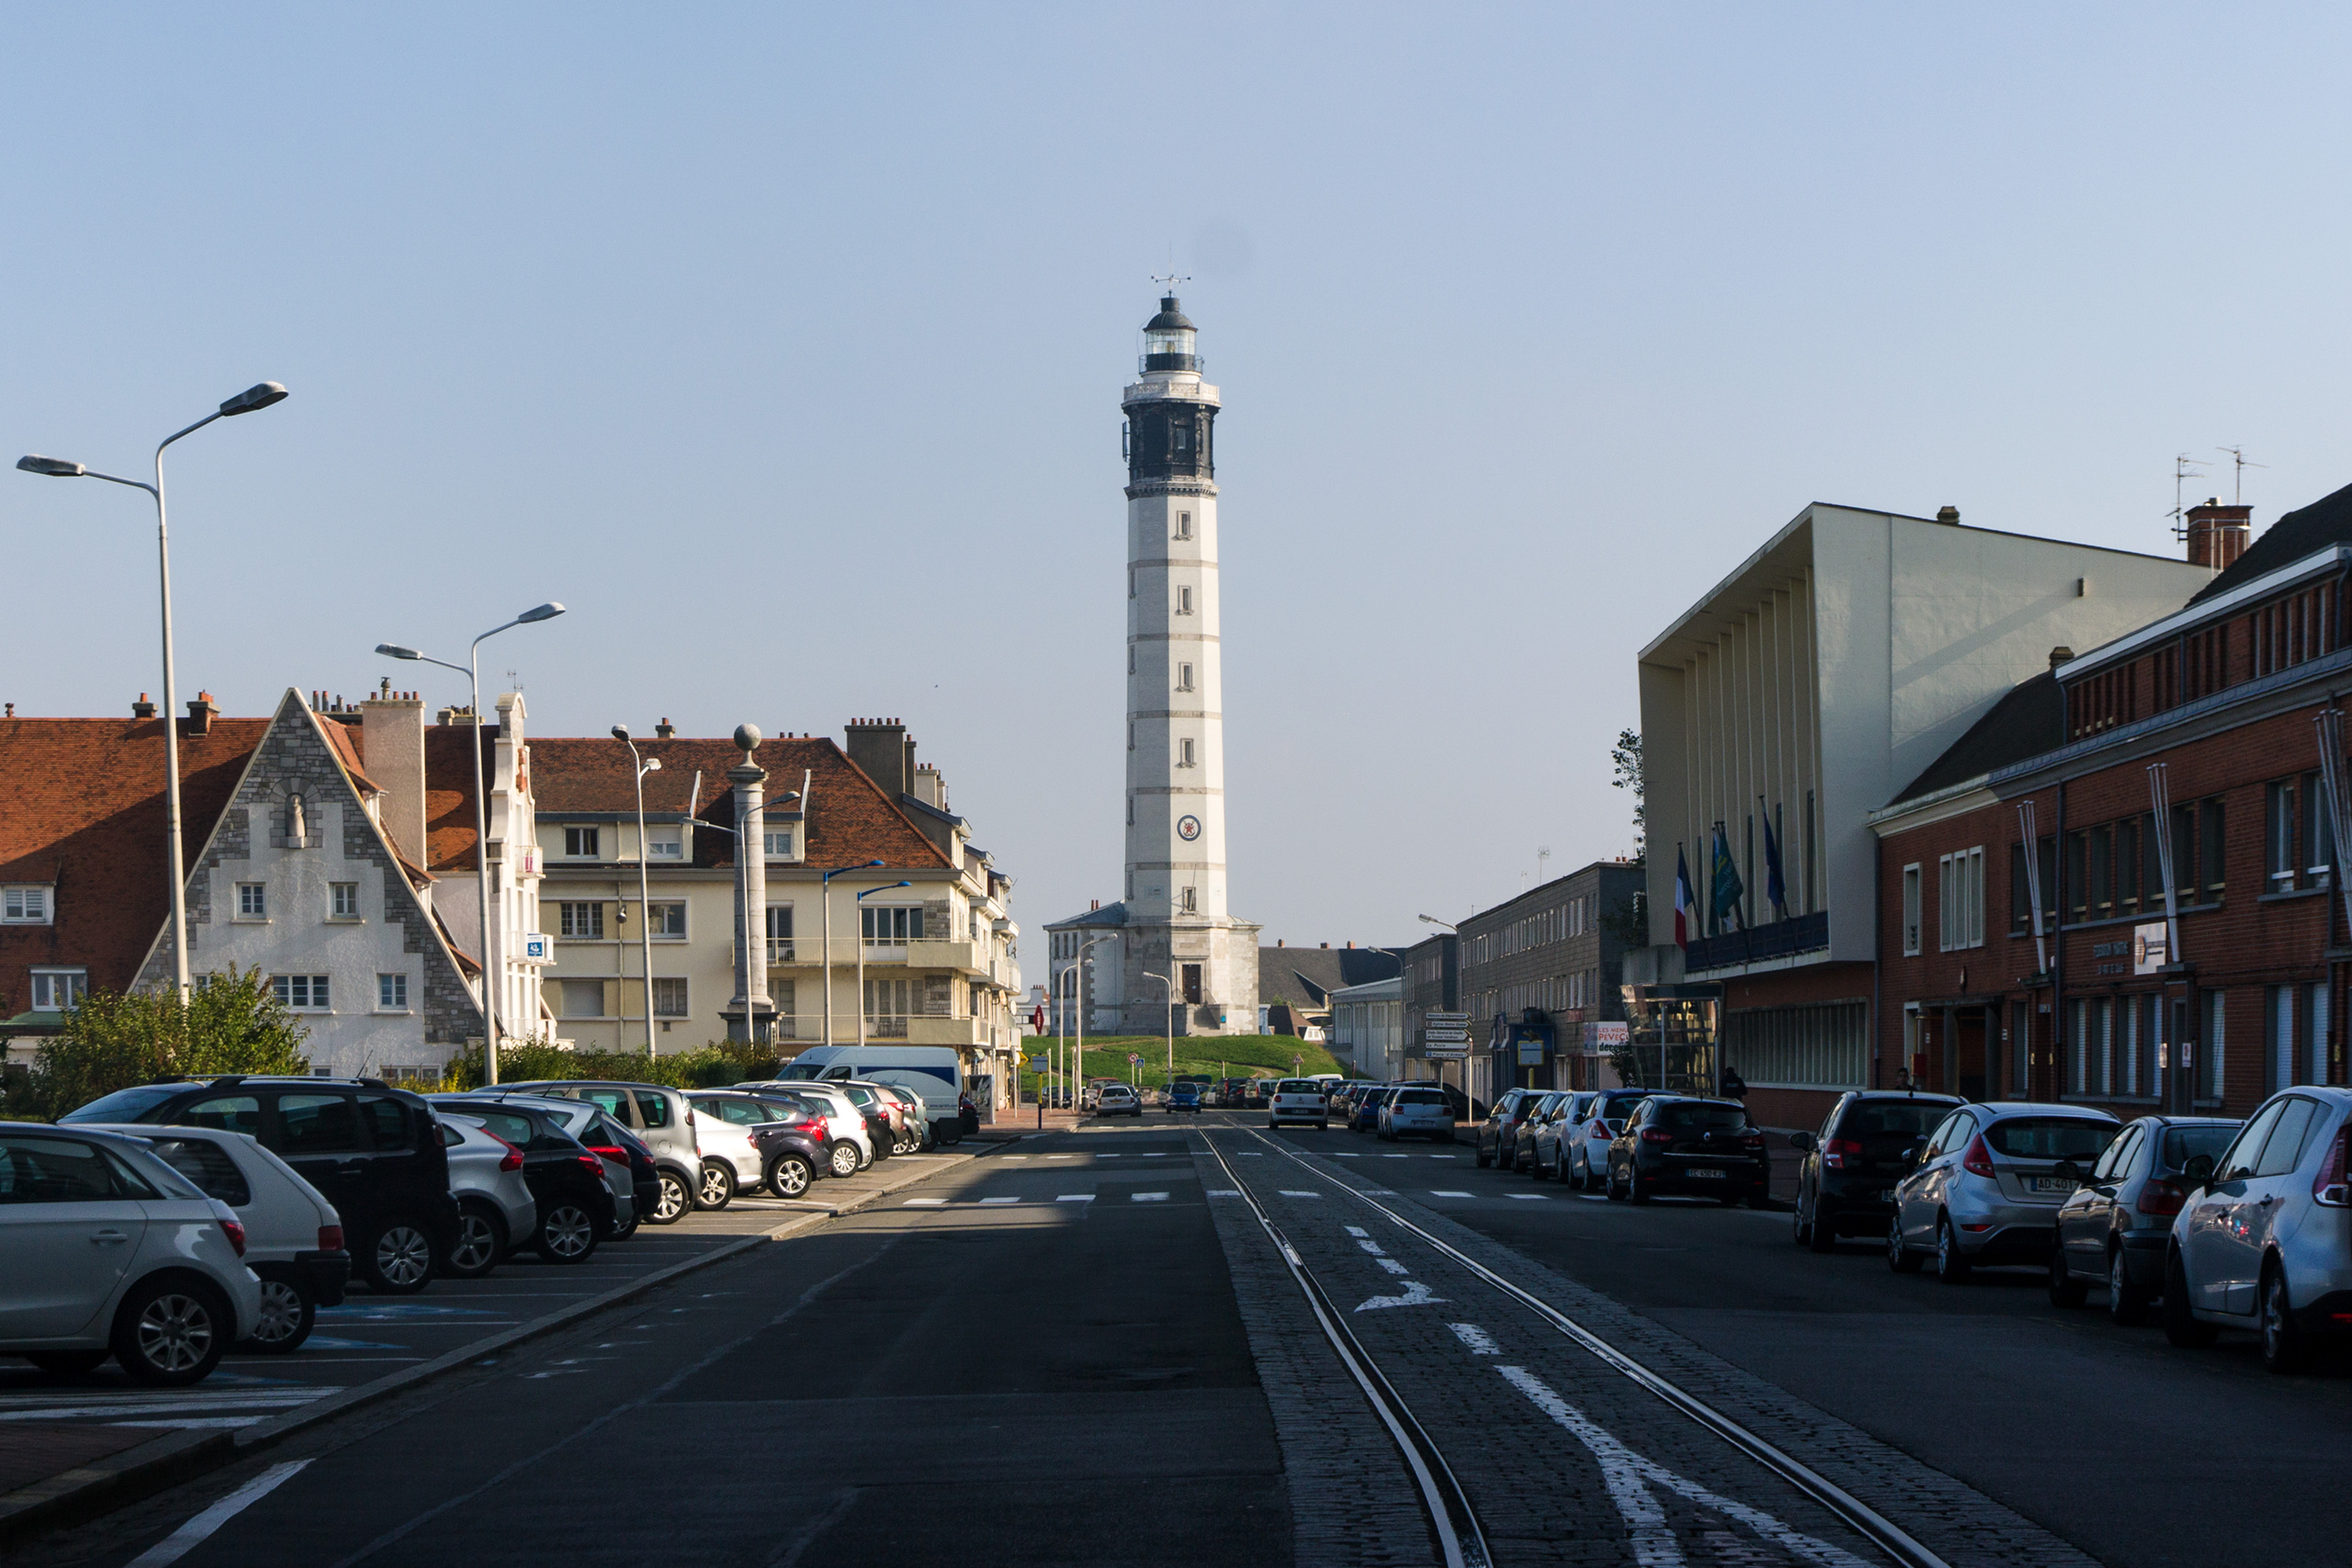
(1367, 1030)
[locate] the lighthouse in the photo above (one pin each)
(1175, 919)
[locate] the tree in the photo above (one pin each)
(1625, 757)
(114, 1039)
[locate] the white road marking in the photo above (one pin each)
(185, 1539)
(925, 1204)
(1024, 1156)
(1075, 1198)
(1286, 1193)
(1443, 1192)
(1356, 1230)
(1380, 1192)
(1368, 1245)
(1416, 1294)
(1252, 1153)
(1627, 1472)
(1533, 1197)
(1223, 1193)
(1155, 1153)
(1000, 1200)
(1478, 1340)
(1113, 1155)
(1595, 1197)
(1396, 1156)
(1357, 1154)
(1148, 1197)
(1391, 1264)
(1448, 1156)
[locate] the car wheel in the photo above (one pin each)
(67, 1363)
(2181, 1328)
(481, 1242)
(623, 1232)
(789, 1175)
(1951, 1263)
(676, 1202)
(288, 1316)
(1825, 1229)
(1801, 1225)
(2066, 1290)
(567, 1234)
(2282, 1347)
(843, 1160)
(1634, 1191)
(1616, 1192)
(1323, 1126)
(2126, 1302)
(718, 1188)
(171, 1332)
(1485, 1159)
(1899, 1258)
(1575, 1178)
(398, 1259)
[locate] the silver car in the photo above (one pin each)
(1986, 1185)
(1601, 1117)
(2118, 1227)
(663, 1120)
(853, 1144)
(1416, 1112)
(2264, 1238)
(1301, 1099)
(493, 1203)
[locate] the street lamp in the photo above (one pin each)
(472, 670)
(1449, 925)
(1171, 987)
(245, 402)
(1078, 1005)
(861, 953)
(825, 934)
(643, 766)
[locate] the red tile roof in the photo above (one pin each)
(82, 805)
(852, 820)
(449, 793)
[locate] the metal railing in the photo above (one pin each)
(1781, 938)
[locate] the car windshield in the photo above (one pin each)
(1299, 1086)
(2049, 1138)
(1419, 1097)
(1617, 1107)
(125, 1104)
(1702, 1117)
(1908, 1119)
(800, 1071)
(2182, 1144)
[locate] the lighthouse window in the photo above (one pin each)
(1184, 525)
(1191, 906)
(1183, 601)
(1185, 757)
(1183, 437)
(1183, 678)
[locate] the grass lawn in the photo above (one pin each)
(1227, 1056)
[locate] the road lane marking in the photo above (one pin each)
(1444, 1193)
(1530, 1198)
(185, 1539)
(1391, 1264)
(1416, 1294)
(1478, 1340)
(1445, 1156)
(1356, 1155)
(1286, 1193)
(1223, 1193)
(1155, 1153)
(1594, 1197)
(1148, 1197)
(925, 1204)
(1075, 1198)
(1630, 1476)
(1000, 1200)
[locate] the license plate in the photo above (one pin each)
(1703, 1176)
(2047, 1184)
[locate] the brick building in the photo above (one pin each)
(1537, 968)
(2194, 743)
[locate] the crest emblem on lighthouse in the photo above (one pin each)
(1188, 828)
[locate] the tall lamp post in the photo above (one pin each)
(643, 766)
(245, 402)
(825, 934)
(1078, 1005)
(1433, 920)
(861, 952)
(472, 670)
(1169, 986)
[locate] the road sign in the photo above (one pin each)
(1036, 1064)
(1447, 1053)
(1445, 1017)
(1445, 1036)
(1132, 1057)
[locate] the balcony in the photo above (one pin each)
(964, 957)
(1781, 939)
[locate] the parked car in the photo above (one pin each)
(2116, 1227)
(1336, 1107)
(1298, 1100)
(1184, 1098)
(662, 1118)
(1985, 1187)
(933, 1075)
(570, 1183)
(1539, 1118)
(1365, 1113)
(293, 1237)
(796, 1148)
(1588, 1145)
(1498, 1132)
(885, 1117)
(494, 1199)
(1555, 1139)
(1690, 1144)
(914, 1117)
(112, 1252)
(1846, 1173)
(1418, 1112)
(1117, 1100)
(852, 1149)
(1257, 1093)
(2263, 1240)
(723, 1121)
(371, 1150)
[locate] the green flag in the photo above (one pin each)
(1729, 889)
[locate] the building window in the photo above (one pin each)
(25, 906)
(669, 999)
(252, 902)
(580, 922)
(582, 998)
(891, 925)
(1184, 600)
(1959, 890)
(301, 993)
(2209, 1068)
(1184, 525)
(1910, 910)
(666, 921)
(1183, 678)
(57, 990)
(665, 844)
(343, 901)
(780, 933)
(1184, 753)
(1191, 904)
(580, 843)
(2278, 836)
(779, 842)
(392, 993)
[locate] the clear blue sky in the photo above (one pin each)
(784, 346)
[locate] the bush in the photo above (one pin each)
(712, 1066)
(114, 1039)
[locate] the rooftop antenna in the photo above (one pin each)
(1543, 859)
(2238, 481)
(2183, 465)
(1169, 280)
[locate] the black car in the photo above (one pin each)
(615, 1142)
(1498, 1133)
(373, 1150)
(566, 1177)
(1845, 1183)
(1684, 1143)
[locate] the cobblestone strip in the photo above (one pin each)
(1352, 1502)
(1960, 1524)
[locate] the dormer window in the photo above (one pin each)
(580, 843)
(665, 844)
(25, 904)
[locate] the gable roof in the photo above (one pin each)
(1307, 976)
(1108, 915)
(2326, 522)
(847, 819)
(2030, 719)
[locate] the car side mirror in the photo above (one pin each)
(1802, 1143)
(1911, 1156)
(2067, 1171)
(2200, 1171)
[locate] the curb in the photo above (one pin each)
(78, 1495)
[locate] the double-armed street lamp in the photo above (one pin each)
(643, 766)
(492, 963)
(824, 941)
(861, 951)
(1169, 986)
(245, 402)
(1078, 1006)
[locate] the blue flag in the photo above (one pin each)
(1776, 889)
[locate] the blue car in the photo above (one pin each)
(1184, 1097)
(1366, 1117)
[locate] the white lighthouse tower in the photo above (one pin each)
(1175, 919)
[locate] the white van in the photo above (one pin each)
(933, 1073)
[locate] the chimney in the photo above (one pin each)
(391, 745)
(1351, 944)
(1277, 941)
(930, 788)
(1325, 945)
(2217, 534)
(201, 713)
(1950, 514)
(2060, 655)
(664, 730)
(1093, 904)
(880, 747)
(143, 709)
